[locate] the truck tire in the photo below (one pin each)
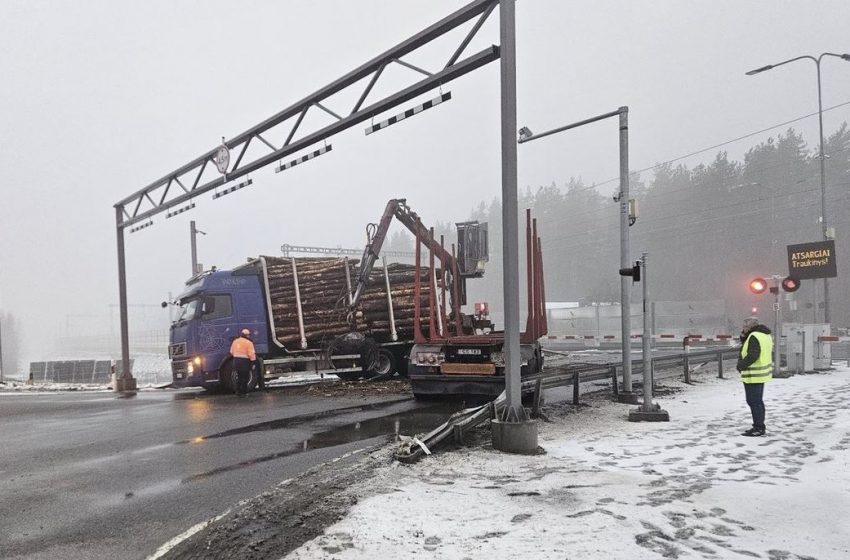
(385, 365)
(226, 382)
(227, 377)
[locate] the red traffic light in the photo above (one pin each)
(790, 284)
(758, 285)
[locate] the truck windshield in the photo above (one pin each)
(188, 309)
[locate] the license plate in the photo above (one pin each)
(469, 351)
(178, 375)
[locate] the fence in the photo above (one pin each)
(676, 317)
(95, 372)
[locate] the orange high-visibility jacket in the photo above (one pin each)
(243, 348)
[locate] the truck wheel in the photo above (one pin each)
(226, 379)
(384, 365)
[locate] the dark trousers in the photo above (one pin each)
(243, 374)
(755, 394)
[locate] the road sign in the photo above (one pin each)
(222, 159)
(812, 260)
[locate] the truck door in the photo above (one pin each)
(217, 326)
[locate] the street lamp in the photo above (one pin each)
(824, 228)
(626, 220)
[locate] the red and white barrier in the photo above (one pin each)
(661, 337)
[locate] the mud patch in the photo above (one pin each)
(291, 514)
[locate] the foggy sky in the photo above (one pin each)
(100, 98)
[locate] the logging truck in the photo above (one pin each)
(300, 321)
(355, 319)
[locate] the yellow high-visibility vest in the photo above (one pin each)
(761, 371)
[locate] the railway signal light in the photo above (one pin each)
(790, 284)
(758, 285)
(634, 272)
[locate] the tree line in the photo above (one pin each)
(707, 229)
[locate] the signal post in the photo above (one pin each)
(789, 284)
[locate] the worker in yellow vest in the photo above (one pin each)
(756, 367)
(242, 350)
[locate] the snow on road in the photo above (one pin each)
(607, 488)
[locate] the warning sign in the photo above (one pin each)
(812, 260)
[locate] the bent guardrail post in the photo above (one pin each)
(538, 395)
(614, 384)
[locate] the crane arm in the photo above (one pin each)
(377, 233)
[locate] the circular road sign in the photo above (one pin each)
(222, 159)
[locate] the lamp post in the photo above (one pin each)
(824, 229)
(626, 220)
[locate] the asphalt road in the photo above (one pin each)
(92, 475)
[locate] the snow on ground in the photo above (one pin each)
(608, 488)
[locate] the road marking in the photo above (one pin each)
(173, 543)
(167, 547)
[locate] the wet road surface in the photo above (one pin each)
(97, 476)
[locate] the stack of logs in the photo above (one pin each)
(324, 300)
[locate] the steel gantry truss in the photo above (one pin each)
(175, 190)
(185, 183)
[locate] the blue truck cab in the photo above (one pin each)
(213, 309)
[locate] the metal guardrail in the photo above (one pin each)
(460, 423)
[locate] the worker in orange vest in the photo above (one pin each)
(242, 350)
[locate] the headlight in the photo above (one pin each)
(190, 368)
(197, 360)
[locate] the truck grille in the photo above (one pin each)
(180, 370)
(178, 349)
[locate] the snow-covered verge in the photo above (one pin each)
(608, 488)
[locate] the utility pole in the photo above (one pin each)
(193, 234)
(626, 396)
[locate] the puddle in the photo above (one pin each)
(391, 426)
(283, 423)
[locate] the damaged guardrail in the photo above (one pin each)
(460, 423)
